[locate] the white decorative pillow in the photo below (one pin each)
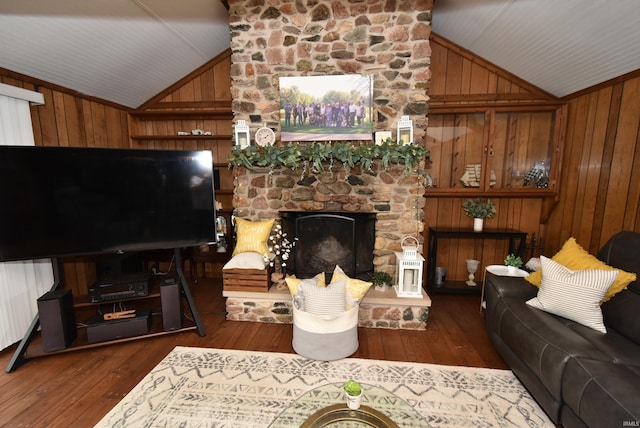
(295, 288)
(293, 283)
(329, 300)
(574, 295)
(248, 260)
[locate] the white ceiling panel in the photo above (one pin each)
(128, 51)
(560, 46)
(124, 51)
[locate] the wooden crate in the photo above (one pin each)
(246, 279)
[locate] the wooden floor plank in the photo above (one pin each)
(79, 388)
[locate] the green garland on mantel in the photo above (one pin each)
(293, 155)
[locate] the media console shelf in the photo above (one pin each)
(517, 243)
(31, 345)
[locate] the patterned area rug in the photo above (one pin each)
(203, 387)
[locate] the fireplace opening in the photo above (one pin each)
(329, 239)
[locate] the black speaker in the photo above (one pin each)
(171, 304)
(57, 320)
(100, 330)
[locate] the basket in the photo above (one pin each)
(409, 249)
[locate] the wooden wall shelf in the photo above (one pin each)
(183, 137)
(219, 114)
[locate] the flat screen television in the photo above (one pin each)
(61, 201)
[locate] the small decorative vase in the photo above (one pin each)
(478, 224)
(472, 268)
(511, 270)
(353, 401)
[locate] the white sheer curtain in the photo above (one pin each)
(21, 283)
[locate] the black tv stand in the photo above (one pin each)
(20, 355)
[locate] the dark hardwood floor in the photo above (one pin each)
(76, 389)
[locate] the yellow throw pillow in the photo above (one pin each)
(574, 257)
(294, 283)
(252, 236)
(355, 290)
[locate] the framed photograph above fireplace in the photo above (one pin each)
(326, 108)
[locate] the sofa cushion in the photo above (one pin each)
(579, 376)
(573, 294)
(621, 251)
(247, 260)
(574, 257)
(621, 313)
(544, 342)
(601, 393)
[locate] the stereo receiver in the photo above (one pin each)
(119, 288)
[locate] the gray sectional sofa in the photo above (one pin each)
(579, 376)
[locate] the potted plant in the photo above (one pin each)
(512, 262)
(479, 209)
(381, 280)
(353, 393)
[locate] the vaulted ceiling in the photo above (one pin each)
(124, 51)
(127, 51)
(561, 46)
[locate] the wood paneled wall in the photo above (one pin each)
(462, 80)
(211, 82)
(600, 192)
(457, 75)
(69, 119)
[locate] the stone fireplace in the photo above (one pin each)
(387, 39)
(392, 199)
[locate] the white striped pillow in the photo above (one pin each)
(329, 300)
(574, 295)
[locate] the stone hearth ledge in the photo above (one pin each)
(378, 309)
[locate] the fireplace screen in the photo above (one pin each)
(329, 239)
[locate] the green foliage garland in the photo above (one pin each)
(292, 155)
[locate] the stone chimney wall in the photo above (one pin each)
(388, 39)
(395, 195)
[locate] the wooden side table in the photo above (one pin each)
(210, 254)
(517, 243)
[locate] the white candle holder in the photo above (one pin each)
(405, 131)
(242, 134)
(472, 268)
(409, 265)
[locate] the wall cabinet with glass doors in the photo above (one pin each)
(499, 151)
